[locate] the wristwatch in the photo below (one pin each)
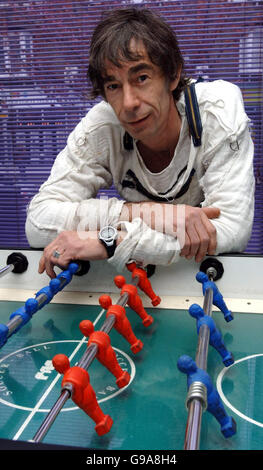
(108, 237)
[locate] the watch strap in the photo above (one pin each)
(110, 248)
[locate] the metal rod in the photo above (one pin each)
(50, 418)
(193, 427)
(204, 332)
(88, 356)
(6, 269)
(196, 406)
(124, 297)
(14, 323)
(84, 363)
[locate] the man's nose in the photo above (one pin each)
(131, 99)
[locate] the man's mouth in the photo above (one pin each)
(138, 122)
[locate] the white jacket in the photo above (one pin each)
(95, 158)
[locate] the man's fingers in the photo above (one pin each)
(199, 242)
(46, 264)
(211, 212)
(195, 241)
(200, 236)
(41, 266)
(211, 231)
(49, 266)
(192, 242)
(185, 244)
(204, 240)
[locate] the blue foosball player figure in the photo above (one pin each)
(218, 300)
(214, 404)
(215, 335)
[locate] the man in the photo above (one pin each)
(183, 195)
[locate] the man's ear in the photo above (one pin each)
(175, 81)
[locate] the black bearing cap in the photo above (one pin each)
(212, 263)
(150, 269)
(19, 261)
(84, 267)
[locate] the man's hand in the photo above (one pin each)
(191, 225)
(198, 234)
(71, 246)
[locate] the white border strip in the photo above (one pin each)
(176, 279)
(242, 305)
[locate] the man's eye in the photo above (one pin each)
(142, 78)
(112, 86)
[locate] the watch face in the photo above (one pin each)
(108, 232)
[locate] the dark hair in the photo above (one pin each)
(112, 37)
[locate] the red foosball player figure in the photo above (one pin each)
(83, 394)
(122, 324)
(105, 353)
(134, 300)
(144, 283)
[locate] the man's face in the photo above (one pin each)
(140, 95)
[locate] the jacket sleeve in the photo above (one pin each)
(67, 200)
(228, 183)
(145, 246)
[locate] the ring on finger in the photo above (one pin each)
(56, 254)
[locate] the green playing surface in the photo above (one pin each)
(150, 412)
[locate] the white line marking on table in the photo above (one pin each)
(30, 416)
